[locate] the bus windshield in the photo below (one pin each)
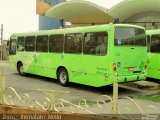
(129, 37)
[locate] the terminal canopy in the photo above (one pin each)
(80, 12)
(129, 8)
(84, 12)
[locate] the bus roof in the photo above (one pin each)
(153, 32)
(76, 29)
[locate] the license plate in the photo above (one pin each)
(130, 68)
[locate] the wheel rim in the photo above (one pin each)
(63, 77)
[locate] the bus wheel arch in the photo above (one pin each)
(20, 68)
(62, 76)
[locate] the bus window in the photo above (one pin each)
(148, 43)
(56, 43)
(12, 48)
(130, 37)
(95, 43)
(148, 39)
(21, 43)
(42, 43)
(73, 43)
(30, 43)
(155, 44)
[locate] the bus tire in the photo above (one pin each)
(20, 69)
(63, 77)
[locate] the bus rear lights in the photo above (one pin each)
(114, 67)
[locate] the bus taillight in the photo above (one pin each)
(114, 67)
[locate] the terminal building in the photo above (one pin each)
(55, 14)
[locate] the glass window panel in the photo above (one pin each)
(42, 43)
(30, 43)
(95, 43)
(56, 43)
(21, 44)
(73, 43)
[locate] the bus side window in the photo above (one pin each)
(148, 43)
(21, 43)
(155, 44)
(56, 43)
(73, 43)
(30, 43)
(95, 43)
(42, 43)
(12, 47)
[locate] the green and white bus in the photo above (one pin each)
(153, 38)
(94, 55)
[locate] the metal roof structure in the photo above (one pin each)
(129, 8)
(80, 12)
(84, 12)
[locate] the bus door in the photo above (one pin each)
(95, 59)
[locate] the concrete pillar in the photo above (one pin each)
(115, 97)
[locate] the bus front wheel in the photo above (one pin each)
(63, 77)
(21, 69)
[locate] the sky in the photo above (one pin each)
(20, 15)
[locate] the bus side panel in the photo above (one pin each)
(46, 64)
(41, 60)
(74, 65)
(27, 59)
(13, 62)
(57, 60)
(153, 70)
(95, 70)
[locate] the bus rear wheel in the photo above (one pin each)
(21, 69)
(63, 77)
